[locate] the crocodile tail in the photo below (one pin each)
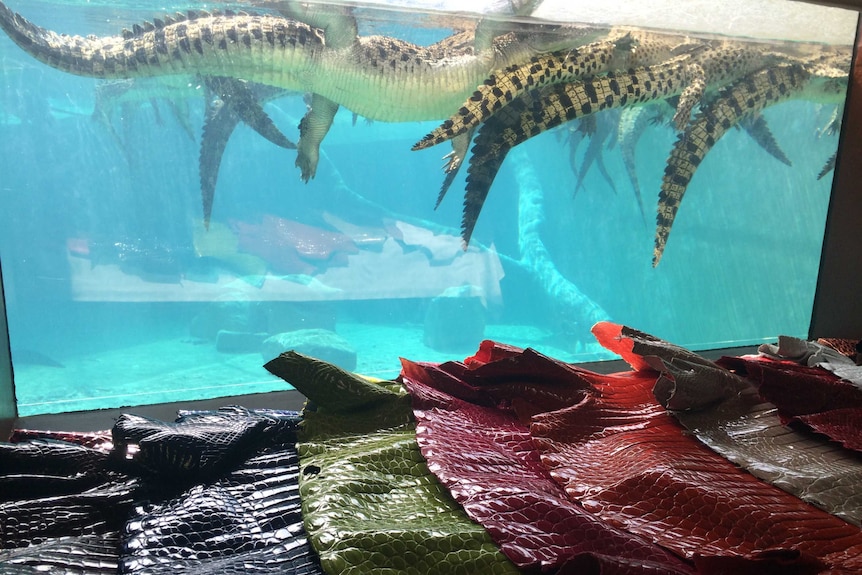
(633, 123)
(219, 124)
(201, 43)
(502, 132)
(42, 44)
(756, 127)
(536, 112)
(505, 86)
(747, 96)
(480, 176)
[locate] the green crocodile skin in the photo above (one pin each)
(370, 504)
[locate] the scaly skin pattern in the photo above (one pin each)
(378, 77)
(624, 49)
(704, 66)
(534, 113)
(748, 96)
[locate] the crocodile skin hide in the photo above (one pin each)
(485, 456)
(249, 521)
(369, 501)
(94, 554)
(626, 460)
(61, 506)
(183, 500)
(621, 456)
(724, 412)
(51, 488)
(638, 470)
(810, 395)
(200, 445)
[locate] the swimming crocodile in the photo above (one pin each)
(378, 77)
(623, 49)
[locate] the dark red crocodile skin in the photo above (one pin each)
(811, 395)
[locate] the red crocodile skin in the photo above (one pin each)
(811, 395)
(486, 457)
(625, 459)
(524, 381)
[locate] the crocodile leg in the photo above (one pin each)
(690, 97)
(755, 126)
(748, 96)
(231, 102)
(312, 129)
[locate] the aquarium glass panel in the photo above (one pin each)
(183, 200)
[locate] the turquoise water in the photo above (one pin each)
(116, 293)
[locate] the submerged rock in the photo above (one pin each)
(455, 320)
(239, 341)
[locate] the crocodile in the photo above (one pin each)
(624, 48)
(532, 113)
(535, 112)
(510, 83)
(378, 77)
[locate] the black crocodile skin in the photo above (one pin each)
(249, 521)
(213, 492)
(45, 467)
(200, 444)
(81, 555)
